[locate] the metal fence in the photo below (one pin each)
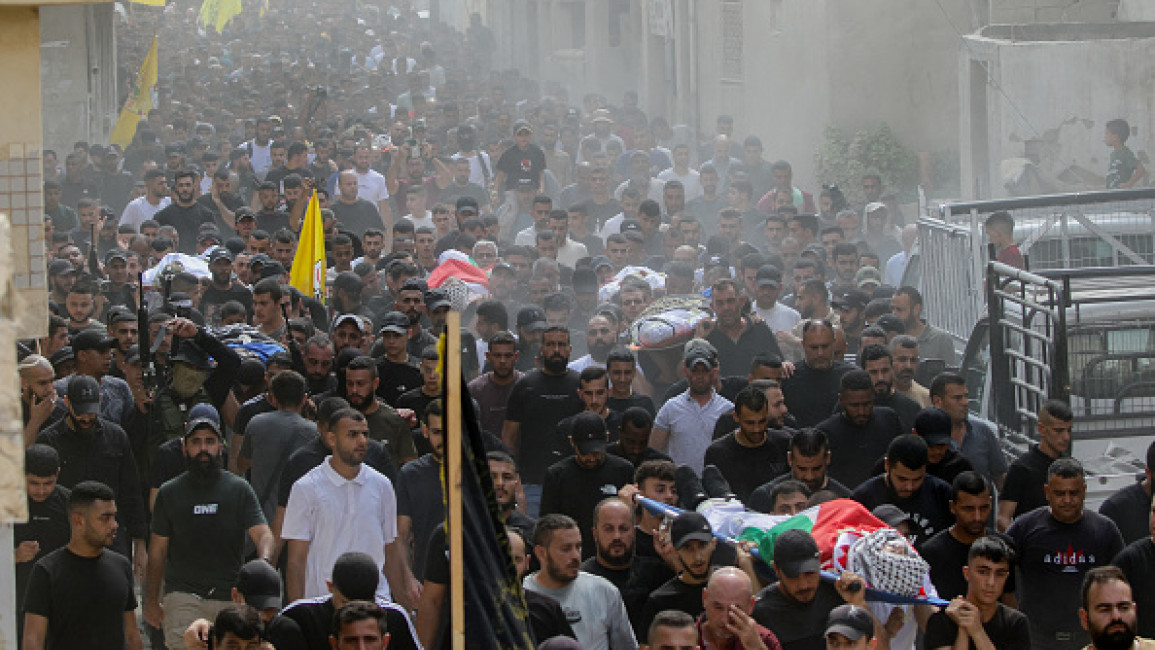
(1059, 231)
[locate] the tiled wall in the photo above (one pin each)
(22, 200)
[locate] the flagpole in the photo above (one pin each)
(453, 442)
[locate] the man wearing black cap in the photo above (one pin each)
(943, 460)
(95, 449)
(222, 287)
(525, 160)
(123, 329)
(684, 426)
(61, 277)
(796, 607)
(93, 349)
(574, 486)
(117, 291)
(851, 308)
(258, 585)
(397, 368)
(185, 214)
(199, 521)
(850, 627)
(347, 296)
(905, 483)
(193, 378)
(530, 325)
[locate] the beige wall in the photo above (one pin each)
(78, 73)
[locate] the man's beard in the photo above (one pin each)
(601, 351)
(203, 465)
(80, 426)
(1116, 639)
(620, 562)
(360, 403)
(554, 364)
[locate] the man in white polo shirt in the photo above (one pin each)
(684, 426)
(344, 505)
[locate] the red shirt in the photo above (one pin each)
(1011, 256)
(768, 639)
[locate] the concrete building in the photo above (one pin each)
(78, 69)
(1015, 107)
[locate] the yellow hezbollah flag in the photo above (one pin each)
(140, 101)
(308, 273)
(218, 13)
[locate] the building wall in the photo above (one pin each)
(1105, 75)
(78, 69)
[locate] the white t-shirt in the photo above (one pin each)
(371, 186)
(690, 181)
(336, 516)
(779, 317)
(476, 173)
(261, 158)
(424, 220)
(140, 210)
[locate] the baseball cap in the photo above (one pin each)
(768, 276)
(589, 432)
(192, 354)
(698, 351)
(65, 353)
(204, 410)
(343, 318)
(867, 275)
(259, 258)
(92, 340)
(601, 260)
(196, 424)
(395, 322)
(522, 125)
(933, 424)
(853, 299)
(690, 526)
(467, 203)
(259, 583)
(120, 314)
(436, 299)
(891, 515)
(84, 395)
(115, 254)
(132, 355)
(60, 267)
(220, 253)
(630, 225)
(890, 322)
(850, 621)
(601, 115)
(271, 269)
(531, 319)
(795, 553)
(502, 266)
(876, 205)
(526, 183)
(348, 281)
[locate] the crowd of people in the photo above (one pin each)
(243, 463)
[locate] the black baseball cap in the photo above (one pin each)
(850, 621)
(795, 553)
(84, 395)
(260, 585)
(92, 339)
(396, 322)
(690, 526)
(196, 424)
(60, 267)
(934, 425)
(220, 253)
(115, 254)
(768, 276)
(467, 203)
(890, 322)
(853, 299)
(698, 351)
(531, 319)
(192, 354)
(589, 433)
(891, 515)
(436, 299)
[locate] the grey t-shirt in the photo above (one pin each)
(594, 608)
(269, 440)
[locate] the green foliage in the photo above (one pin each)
(843, 160)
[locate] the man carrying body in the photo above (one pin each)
(977, 619)
(756, 451)
(809, 460)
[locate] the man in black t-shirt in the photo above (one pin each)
(809, 460)
(1137, 562)
(419, 501)
(1023, 488)
(979, 619)
(924, 499)
(81, 595)
(860, 433)
(574, 486)
(755, 452)
(813, 390)
(47, 528)
(1057, 545)
(223, 287)
(946, 552)
(525, 160)
(1129, 507)
(538, 401)
(358, 215)
(694, 542)
(184, 213)
(199, 523)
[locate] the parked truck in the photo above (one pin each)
(1079, 325)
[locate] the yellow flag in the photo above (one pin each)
(150, 3)
(218, 13)
(140, 101)
(308, 273)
